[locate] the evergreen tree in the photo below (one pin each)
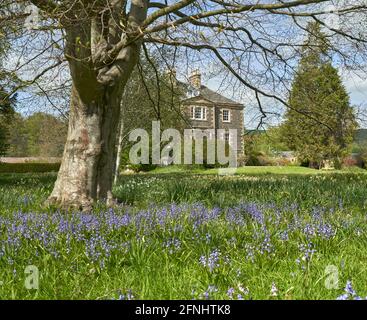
(320, 123)
(7, 101)
(6, 114)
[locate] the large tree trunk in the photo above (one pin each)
(86, 172)
(87, 168)
(101, 59)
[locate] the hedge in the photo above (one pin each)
(28, 167)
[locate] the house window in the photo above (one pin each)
(198, 113)
(226, 115)
(226, 137)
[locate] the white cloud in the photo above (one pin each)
(356, 85)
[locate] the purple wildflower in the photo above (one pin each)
(211, 262)
(230, 293)
(349, 293)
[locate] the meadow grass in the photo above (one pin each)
(190, 235)
(323, 189)
(249, 170)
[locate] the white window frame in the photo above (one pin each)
(229, 115)
(203, 113)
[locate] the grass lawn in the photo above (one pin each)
(256, 170)
(265, 233)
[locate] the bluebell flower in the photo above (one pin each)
(211, 262)
(349, 293)
(349, 289)
(344, 296)
(230, 293)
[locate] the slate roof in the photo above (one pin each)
(211, 95)
(208, 94)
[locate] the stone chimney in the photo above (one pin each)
(195, 79)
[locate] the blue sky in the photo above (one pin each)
(356, 86)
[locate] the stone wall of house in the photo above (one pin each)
(236, 122)
(214, 120)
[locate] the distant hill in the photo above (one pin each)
(360, 135)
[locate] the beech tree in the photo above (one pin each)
(257, 42)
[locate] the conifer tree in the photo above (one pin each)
(320, 123)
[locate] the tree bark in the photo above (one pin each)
(101, 59)
(87, 168)
(109, 128)
(86, 172)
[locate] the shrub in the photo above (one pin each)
(253, 160)
(350, 162)
(28, 167)
(259, 159)
(265, 161)
(241, 160)
(283, 162)
(141, 167)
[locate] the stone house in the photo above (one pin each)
(207, 109)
